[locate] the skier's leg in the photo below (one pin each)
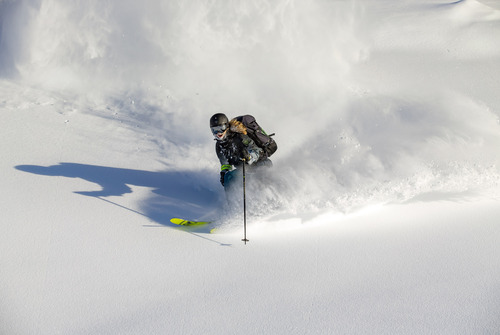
(233, 189)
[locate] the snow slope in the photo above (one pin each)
(387, 119)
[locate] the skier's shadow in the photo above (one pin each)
(176, 194)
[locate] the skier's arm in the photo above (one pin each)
(255, 153)
(224, 164)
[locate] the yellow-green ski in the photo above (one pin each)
(182, 222)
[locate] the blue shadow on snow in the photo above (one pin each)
(176, 194)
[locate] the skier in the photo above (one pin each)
(234, 148)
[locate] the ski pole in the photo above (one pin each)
(244, 207)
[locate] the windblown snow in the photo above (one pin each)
(380, 215)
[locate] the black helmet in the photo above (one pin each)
(219, 124)
(219, 119)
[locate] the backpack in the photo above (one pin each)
(258, 135)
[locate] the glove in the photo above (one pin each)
(222, 174)
(226, 177)
(253, 157)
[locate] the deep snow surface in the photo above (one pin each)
(385, 188)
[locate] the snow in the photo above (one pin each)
(387, 118)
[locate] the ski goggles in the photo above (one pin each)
(219, 129)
